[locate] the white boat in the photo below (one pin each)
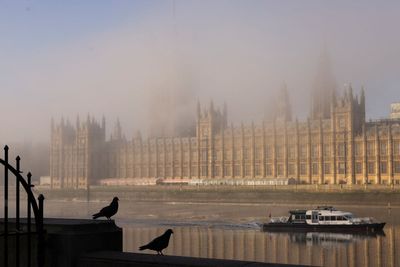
(323, 218)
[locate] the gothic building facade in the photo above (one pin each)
(341, 147)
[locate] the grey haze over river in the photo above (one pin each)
(232, 231)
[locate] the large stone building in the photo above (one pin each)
(335, 145)
(341, 147)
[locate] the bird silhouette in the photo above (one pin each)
(159, 243)
(108, 211)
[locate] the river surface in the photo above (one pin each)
(232, 231)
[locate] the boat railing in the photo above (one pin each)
(362, 220)
(282, 219)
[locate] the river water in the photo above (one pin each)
(232, 231)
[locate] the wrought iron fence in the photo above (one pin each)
(18, 232)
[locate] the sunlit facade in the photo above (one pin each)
(339, 147)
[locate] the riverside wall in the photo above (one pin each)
(313, 194)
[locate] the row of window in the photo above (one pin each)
(315, 151)
(237, 169)
(302, 217)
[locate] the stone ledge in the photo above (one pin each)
(123, 259)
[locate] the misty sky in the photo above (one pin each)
(118, 57)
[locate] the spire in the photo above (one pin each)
(323, 88)
(198, 110)
(362, 97)
(211, 106)
(348, 93)
(283, 107)
(225, 115)
(138, 135)
(52, 123)
(103, 122)
(225, 110)
(78, 122)
(117, 130)
(362, 100)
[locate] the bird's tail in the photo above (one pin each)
(143, 247)
(97, 215)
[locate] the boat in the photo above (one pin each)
(323, 219)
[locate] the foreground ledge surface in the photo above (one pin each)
(123, 259)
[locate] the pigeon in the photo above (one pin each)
(159, 243)
(108, 211)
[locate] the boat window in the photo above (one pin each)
(341, 218)
(347, 217)
(308, 217)
(321, 218)
(333, 218)
(299, 217)
(314, 215)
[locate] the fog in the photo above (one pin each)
(156, 59)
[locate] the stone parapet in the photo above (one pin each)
(123, 259)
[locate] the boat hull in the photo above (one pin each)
(303, 227)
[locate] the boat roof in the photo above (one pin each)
(325, 208)
(322, 210)
(297, 211)
(330, 212)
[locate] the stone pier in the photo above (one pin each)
(66, 240)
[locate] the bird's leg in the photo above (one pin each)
(161, 253)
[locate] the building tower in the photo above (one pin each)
(77, 153)
(209, 123)
(324, 88)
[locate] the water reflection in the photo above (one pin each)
(328, 239)
(321, 249)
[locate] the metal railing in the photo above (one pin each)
(32, 205)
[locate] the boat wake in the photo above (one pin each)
(215, 224)
(206, 224)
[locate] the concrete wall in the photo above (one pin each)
(120, 259)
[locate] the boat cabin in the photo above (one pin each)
(328, 215)
(321, 215)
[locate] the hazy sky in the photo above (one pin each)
(112, 57)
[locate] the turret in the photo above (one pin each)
(212, 121)
(348, 112)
